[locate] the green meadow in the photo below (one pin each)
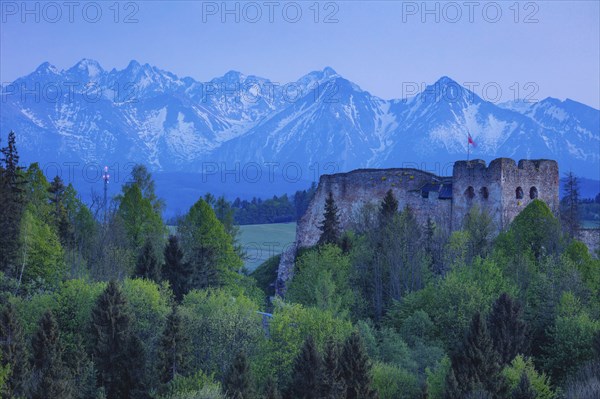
(261, 241)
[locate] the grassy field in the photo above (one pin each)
(261, 241)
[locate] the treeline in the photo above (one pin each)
(274, 210)
(577, 212)
(115, 307)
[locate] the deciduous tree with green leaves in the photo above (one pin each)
(208, 248)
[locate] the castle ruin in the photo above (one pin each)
(503, 188)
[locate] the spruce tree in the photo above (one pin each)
(507, 328)
(524, 389)
(59, 213)
(49, 376)
(570, 204)
(356, 369)
(12, 199)
(306, 374)
(112, 343)
(271, 391)
(135, 377)
(236, 382)
(596, 344)
(451, 389)
(476, 365)
(147, 266)
(330, 227)
(332, 382)
(175, 270)
(174, 348)
(14, 352)
(389, 207)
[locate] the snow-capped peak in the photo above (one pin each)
(90, 68)
(46, 68)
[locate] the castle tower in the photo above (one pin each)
(503, 188)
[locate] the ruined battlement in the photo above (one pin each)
(503, 188)
(426, 193)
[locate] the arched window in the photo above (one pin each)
(470, 192)
(484, 192)
(533, 193)
(519, 193)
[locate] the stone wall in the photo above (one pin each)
(591, 238)
(503, 188)
(352, 191)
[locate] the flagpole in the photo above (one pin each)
(468, 147)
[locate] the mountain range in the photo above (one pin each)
(320, 123)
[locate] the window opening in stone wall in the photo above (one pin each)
(484, 192)
(533, 193)
(519, 193)
(470, 192)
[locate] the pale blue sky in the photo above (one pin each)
(381, 46)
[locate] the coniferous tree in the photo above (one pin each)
(332, 382)
(59, 213)
(476, 365)
(330, 227)
(507, 328)
(112, 343)
(147, 266)
(14, 352)
(389, 207)
(306, 372)
(174, 348)
(49, 376)
(236, 382)
(175, 270)
(356, 369)
(596, 344)
(524, 389)
(271, 391)
(451, 389)
(135, 376)
(570, 204)
(12, 199)
(86, 383)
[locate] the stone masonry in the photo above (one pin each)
(503, 188)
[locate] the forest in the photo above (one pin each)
(105, 301)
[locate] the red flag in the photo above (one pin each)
(471, 140)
